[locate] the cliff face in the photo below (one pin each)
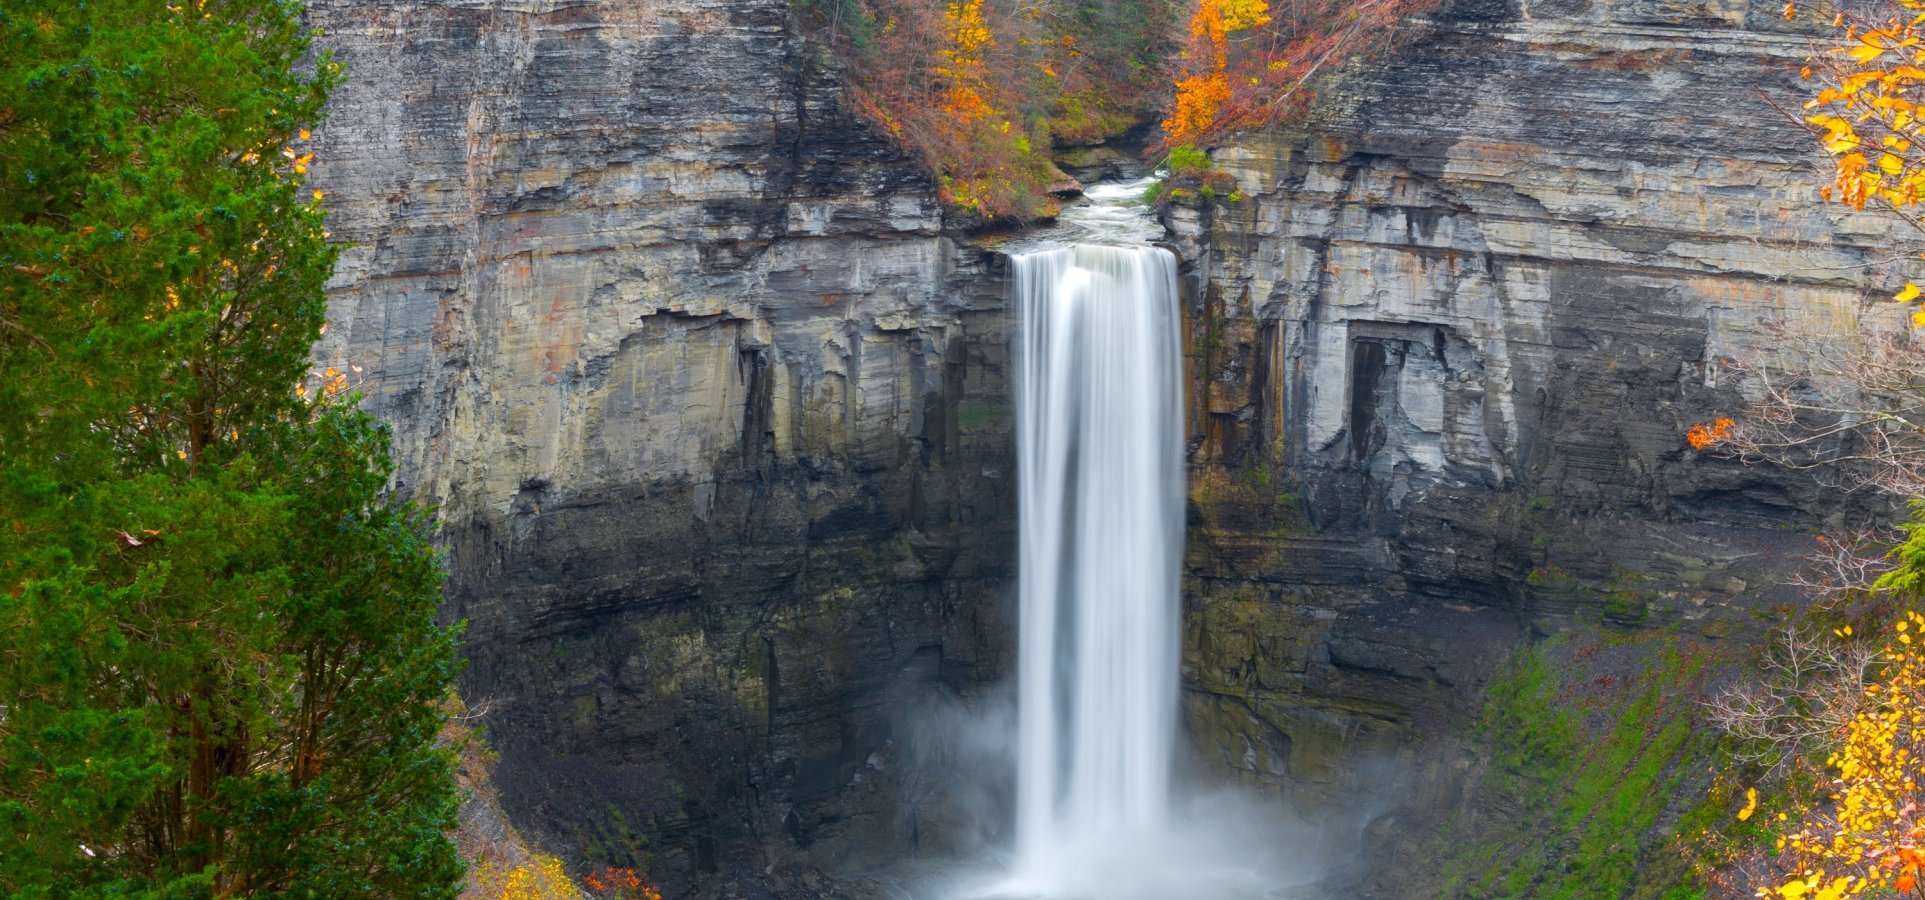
(716, 415)
(713, 412)
(1446, 346)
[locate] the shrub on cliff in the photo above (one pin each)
(219, 669)
(1190, 175)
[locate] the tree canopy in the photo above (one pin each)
(219, 666)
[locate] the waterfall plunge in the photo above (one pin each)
(1101, 503)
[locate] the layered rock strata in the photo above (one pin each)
(1446, 344)
(713, 413)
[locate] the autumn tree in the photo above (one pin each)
(1253, 63)
(1869, 840)
(957, 84)
(1866, 113)
(219, 668)
(1201, 94)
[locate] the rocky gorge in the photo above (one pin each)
(716, 411)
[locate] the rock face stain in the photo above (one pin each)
(676, 345)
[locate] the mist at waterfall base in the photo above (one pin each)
(1090, 727)
(1216, 843)
(1064, 784)
(1100, 503)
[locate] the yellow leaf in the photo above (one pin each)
(1907, 295)
(1833, 125)
(1751, 804)
(1890, 164)
(1864, 53)
(1854, 83)
(317, 195)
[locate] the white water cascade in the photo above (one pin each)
(1099, 439)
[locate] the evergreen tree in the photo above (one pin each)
(219, 668)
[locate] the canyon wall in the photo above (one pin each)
(1446, 342)
(714, 414)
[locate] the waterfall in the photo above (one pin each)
(1099, 437)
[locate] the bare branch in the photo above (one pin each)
(1806, 691)
(1854, 410)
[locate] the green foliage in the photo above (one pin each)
(1190, 172)
(1908, 579)
(1089, 116)
(1591, 780)
(220, 670)
(1186, 159)
(1627, 607)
